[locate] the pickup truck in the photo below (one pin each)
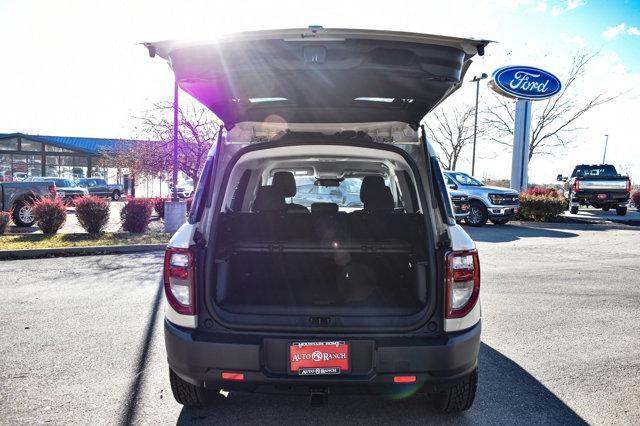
(100, 188)
(18, 198)
(597, 185)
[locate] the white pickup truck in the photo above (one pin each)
(598, 185)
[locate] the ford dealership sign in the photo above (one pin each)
(524, 83)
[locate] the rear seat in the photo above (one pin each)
(270, 222)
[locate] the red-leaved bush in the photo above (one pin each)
(635, 199)
(158, 205)
(5, 217)
(541, 191)
(49, 214)
(135, 215)
(92, 213)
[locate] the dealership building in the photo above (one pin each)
(23, 156)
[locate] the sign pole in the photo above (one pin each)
(521, 140)
(525, 84)
(175, 142)
(175, 211)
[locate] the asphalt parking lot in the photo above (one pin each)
(82, 340)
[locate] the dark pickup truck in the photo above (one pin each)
(597, 185)
(18, 198)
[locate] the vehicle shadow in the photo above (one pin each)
(506, 394)
(508, 233)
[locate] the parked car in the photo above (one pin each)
(499, 205)
(66, 188)
(598, 185)
(460, 201)
(18, 198)
(265, 294)
(100, 188)
(184, 189)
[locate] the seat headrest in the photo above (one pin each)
(286, 182)
(379, 199)
(324, 208)
(268, 198)
(369, 185)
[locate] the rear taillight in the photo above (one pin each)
(179, 280)
(576, 185)
(628, 185)
(53, 189)
(462, 283)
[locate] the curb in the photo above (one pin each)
(78, 251)
(581, 224)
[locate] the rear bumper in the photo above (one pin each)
(591, 197)
(264, 360)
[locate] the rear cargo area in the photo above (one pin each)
(346, 264)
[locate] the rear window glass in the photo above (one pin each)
(346, 195)
(607, 170)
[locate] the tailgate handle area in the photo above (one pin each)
(320, 321)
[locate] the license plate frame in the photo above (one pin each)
(602, 196)
(319, 358)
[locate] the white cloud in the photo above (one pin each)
(540, 6)
(633, 31)
(574, 4)
(567, 6)
(612, 32)
(576, 39)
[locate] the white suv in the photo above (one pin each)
(265, 294)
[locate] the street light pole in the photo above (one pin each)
(476, 79)
(175, 142)
(606, 142)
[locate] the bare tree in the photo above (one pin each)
(153, 154)
(555, 121)
(451, 130)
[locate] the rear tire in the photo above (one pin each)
(574, 210)
(606, 208)
(499, 221)
(456, 398)
(477, 214)
(190, 395)
(22, 214)
(621, 211)
(115, 195)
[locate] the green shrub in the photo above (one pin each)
(49, 214)
(136, 214)
(542, 190)
(93, 214)
(635, 199)
(158, 205)
(541, 208)
(5, 217)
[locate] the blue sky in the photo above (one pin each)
(75, 67)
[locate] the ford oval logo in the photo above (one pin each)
(524, 82)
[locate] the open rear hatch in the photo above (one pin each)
(321, 75)
(321, 80)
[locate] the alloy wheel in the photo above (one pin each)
(26, 213)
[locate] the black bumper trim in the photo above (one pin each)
(430, 360)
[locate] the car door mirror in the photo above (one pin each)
(452, 186)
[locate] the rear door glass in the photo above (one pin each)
(346, 195)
